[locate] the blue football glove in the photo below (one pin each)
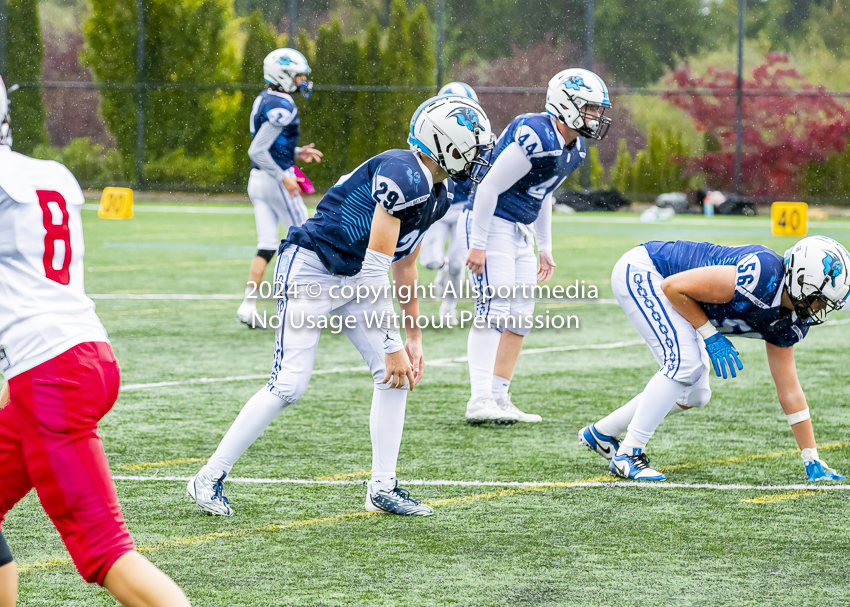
(722, 353)
(817, 470)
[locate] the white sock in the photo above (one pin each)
(250, 296)
(500, 387)
(658, 398)
(386, 423)
(615, 423)
(250, 424)
(481, 349)
(451, 295)
(629, 443)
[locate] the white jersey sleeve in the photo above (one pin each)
(44, 309)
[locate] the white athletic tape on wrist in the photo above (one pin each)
(707, 330)
(799, 416)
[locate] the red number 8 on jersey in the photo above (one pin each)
(55, 233)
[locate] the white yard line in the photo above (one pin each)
(437, 362)
(238, 297)
(156, 208)
(554, 484)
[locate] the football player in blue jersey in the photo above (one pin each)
(273, 187)
(684, 298)
(449, 265)
(336, 263)
(532, 157)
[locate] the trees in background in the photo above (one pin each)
(176, 118)
(25, 54)
(782, 134)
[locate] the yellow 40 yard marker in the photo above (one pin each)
(116, 203)
(789, 218)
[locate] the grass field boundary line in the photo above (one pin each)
(590, 483)
(437, 362)
(157, 208)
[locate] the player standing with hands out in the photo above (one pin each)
(62, 379)
(371, 221)
(273, 186)
(684, 298)
(532, 157)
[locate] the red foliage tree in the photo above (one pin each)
(787, 123)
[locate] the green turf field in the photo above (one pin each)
(696, 540)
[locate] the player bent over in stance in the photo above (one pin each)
(684, 298)
(272, 187)
(449, 265)
(372, 219)
(532, 157)
(63, 378)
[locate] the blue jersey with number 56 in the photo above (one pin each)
(399, 183)
(755, 310)
(552, 161)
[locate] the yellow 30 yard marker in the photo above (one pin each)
(116, 203)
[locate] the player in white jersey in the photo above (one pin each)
(449, 264)
(62, 379)
(273, 186)
(533, 156)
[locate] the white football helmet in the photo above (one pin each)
(569, 94)
(281, 66)
(817, 270)
(454, 132)
(458, 88)
(5, 122)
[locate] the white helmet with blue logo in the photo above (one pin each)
(569, 94)
(281, 66)
(454, 132)
(817, 276)
(5, 124)
(458, 88)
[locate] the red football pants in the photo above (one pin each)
(49, 440)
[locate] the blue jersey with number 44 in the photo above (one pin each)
(755, 310)
(397, 182)
(551, 163)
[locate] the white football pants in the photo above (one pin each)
(273, 206)
(675, 344)
(308, 293)
(509, 276)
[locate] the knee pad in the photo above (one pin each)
(697, 397)
(266, 254)
(5, 553)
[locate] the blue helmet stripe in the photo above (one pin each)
(606, 102)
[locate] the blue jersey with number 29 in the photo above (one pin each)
(397, 182)
(755, 310)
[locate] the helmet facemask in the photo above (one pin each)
(804, 304)
(586, 124)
